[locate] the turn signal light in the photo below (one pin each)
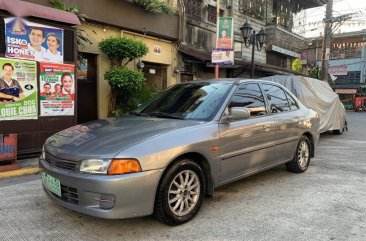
(124, 166)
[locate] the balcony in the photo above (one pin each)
(284, 39)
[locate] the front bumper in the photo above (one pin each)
(110, 197)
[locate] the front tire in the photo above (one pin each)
(301, 159)
(180, 193)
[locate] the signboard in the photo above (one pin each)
(18, 89)
(33, 41)
(346, 91)
(8, 147)
(225, 33)
(338, 70)
(57, 84)
(222, 57)
(8, 152)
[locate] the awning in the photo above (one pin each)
(205, 57)
(202, 55)
(25, 9)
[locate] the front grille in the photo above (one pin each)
(69, 194)
(61, 163)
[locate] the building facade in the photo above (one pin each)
(347, 64)
(160, 32)
(275, 16)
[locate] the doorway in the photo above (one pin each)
(156, 75)
(87, 104)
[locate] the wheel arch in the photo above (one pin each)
(202, 161)
(312, 146)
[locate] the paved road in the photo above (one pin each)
(328, 202)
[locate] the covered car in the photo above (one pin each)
(319, 96)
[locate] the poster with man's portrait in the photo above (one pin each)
(57, 89)
(33, 41)
(225, 33)
(18, 89)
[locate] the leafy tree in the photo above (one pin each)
(122, 50)
(313, 72)
(155, 6)
(82, 36)
(125, 83)
(296, 65)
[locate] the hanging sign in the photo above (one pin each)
(225, 33)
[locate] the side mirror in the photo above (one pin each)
(238, 113)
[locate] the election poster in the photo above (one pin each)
(57, 89)
(225, 33)
(33, 41)
(18, 89)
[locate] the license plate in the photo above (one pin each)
(52, 184)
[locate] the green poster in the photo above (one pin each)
(18, 89)
(225, 34)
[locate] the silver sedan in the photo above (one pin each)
(167, 155)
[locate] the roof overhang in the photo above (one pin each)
(202, 55)
(25, 9)
(312, 3)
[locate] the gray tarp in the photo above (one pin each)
(316, 95)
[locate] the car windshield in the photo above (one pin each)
(191, 101)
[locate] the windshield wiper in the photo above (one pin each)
(138, 113)
(165, 115)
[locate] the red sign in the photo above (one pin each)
(8, 147)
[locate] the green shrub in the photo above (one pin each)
(125, 79)
(121, 50)
(296, 65)
(155, 6)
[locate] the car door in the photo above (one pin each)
(287, 117)
(247, 145)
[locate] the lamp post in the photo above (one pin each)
(253, 39)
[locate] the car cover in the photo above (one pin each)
(316, 95)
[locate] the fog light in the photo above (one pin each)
(107, 201)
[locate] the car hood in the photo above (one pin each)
(106, 138)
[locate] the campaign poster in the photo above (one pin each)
(18, 89)
(225, 57)
(57, 89)
(33, 41)
(225, 34)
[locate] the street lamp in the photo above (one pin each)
(251, 38)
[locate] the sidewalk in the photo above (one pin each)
(27, 167)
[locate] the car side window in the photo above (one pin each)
(277, 98)
(249, 96)
(292, 102)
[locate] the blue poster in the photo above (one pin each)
(33, 41)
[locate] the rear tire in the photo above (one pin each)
(301, 160)
(180, 193)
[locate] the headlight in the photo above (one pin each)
(95, 166)
(110, 167)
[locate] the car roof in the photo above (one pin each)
(229, 80)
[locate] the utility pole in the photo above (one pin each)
(217, 29)
(326, 40)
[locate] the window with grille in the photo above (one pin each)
(211, 17)
(253, 8)
(193, 8)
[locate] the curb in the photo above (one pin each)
(20, 172)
